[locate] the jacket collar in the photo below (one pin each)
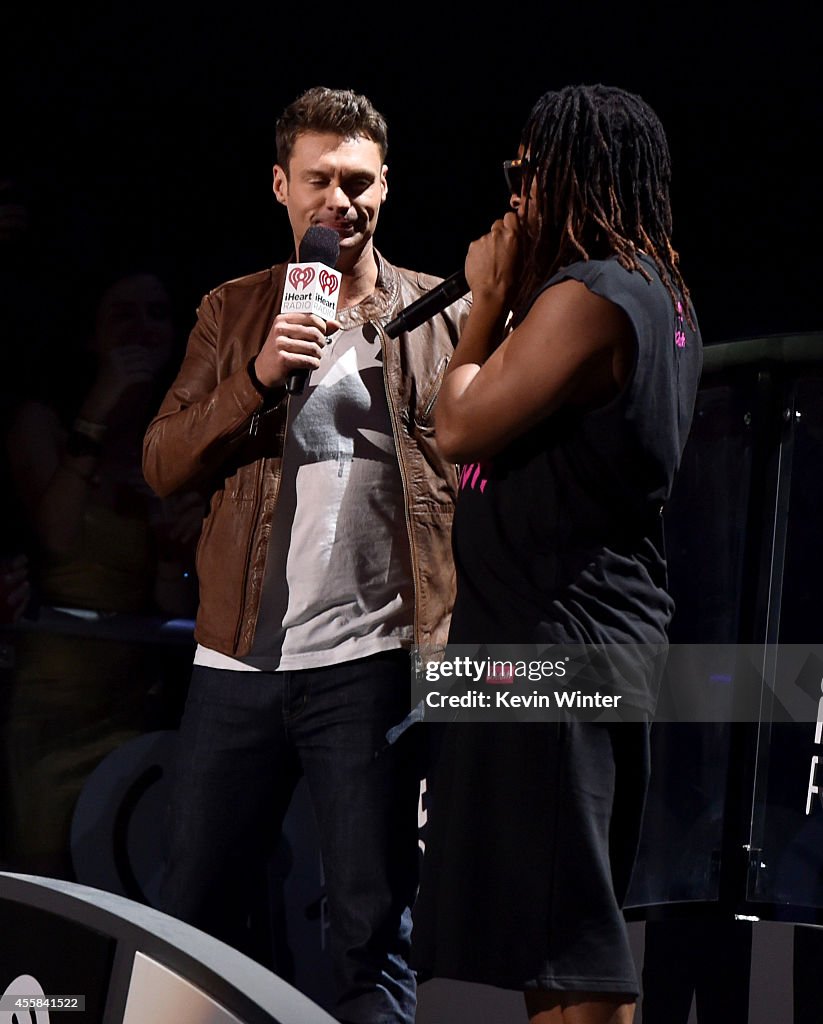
(381, 303)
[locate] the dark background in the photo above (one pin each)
(146, 132)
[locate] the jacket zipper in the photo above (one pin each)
(403, 479)
(438, 383)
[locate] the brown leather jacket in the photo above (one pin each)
(214, 431)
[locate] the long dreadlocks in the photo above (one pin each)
(601, 161)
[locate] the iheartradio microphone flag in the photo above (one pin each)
(311, 288)
(312, 285)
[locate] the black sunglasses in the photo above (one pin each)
(514, 172)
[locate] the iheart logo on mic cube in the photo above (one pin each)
(311, 288)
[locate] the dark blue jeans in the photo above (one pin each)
(245, 740)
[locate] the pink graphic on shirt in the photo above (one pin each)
(679, 333)
(500, 673)
(470, 476)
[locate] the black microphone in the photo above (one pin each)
(319, 245)
(429, 305)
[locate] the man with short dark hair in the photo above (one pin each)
(325, 555)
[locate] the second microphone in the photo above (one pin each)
(429, 305)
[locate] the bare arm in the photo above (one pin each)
(572, 348)
(54, 484)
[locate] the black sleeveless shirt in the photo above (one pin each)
(559, 538)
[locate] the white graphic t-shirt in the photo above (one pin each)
(338, 582)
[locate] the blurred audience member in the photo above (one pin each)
(105, 555)
(105, 542)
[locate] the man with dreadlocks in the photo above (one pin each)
(568, 402)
